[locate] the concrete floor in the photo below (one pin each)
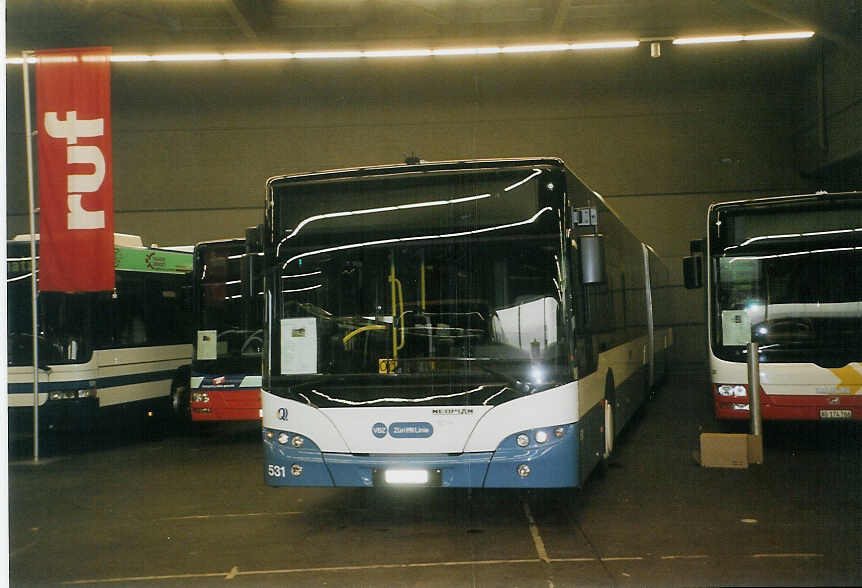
(192, 509)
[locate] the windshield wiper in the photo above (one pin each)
(513, 383)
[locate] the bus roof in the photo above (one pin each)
(120, 239)
(789, 199)
(422, 166)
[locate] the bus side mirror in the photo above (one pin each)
(692, 272)
(592, 250)
(254, 239)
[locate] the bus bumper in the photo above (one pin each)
(225, 405)
(552, 463)
(68, 415)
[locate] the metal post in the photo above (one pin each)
(754, 389)
(33, 269)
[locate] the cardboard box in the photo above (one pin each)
(724, 450)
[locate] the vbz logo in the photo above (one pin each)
(71, 129)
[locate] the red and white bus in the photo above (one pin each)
(786, 273)
(225, 372)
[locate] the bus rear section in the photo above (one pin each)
(449, 325)
(228, 316)
(786, 273)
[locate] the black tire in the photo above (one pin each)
(180, 408)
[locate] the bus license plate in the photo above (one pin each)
(836, 414)
(407, 477)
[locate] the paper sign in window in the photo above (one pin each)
(207, 344)
(299, 346)
(735, 327)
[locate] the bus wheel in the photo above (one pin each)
(180, 399)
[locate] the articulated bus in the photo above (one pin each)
(458, 324)
(225, 378)
(99, 352)
(786, 273)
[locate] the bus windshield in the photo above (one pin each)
(793, 287)
(228, 323)
(458, 274)
(64, 322)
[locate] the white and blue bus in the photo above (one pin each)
(100, 352)
(458, 324)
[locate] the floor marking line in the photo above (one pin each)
(785, 555)
(236, 572)
(145, 578)
(537, 538)
(233, 515)
(487, 562)
(387, 566)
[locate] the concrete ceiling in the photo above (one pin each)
(221, 25)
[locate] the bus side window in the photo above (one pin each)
(129, 326)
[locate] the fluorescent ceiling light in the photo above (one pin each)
(738, 38)
(776, 36)
(421, 52)
(352, 54)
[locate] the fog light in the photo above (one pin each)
(523, 470)
(298, 441)
(559, 432)
(522, 440)
(200, 397)
(296, 470)
(541, 436)
(740, 407)
(282, 438)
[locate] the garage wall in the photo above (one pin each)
(194, 144)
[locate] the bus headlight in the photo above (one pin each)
(731, 390)
(541, 436)
(559, 432)
(298, 441)
(63, 395)
(200, 397)
(282, 438)
(523, 470)
(522, 440)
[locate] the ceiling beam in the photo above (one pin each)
(240, 20)
(767, 7)
(561, 14)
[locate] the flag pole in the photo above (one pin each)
(33, 284)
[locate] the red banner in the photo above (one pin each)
(76, 203)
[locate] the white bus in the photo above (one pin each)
(126, 350)
(786, 273)
(461, 324)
